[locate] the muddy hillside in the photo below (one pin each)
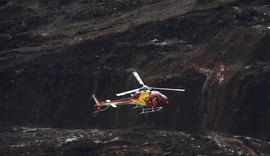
(55, 54)
(96, 142)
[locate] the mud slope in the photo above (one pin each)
(54, 55)
(48, 141)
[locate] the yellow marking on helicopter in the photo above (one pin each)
(141, 99)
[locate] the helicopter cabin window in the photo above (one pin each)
(154, 100)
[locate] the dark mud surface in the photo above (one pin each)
(55, 54)
(48, 141)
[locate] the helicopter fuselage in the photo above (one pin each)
(149, 98)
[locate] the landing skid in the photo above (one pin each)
(150, 110)
(138, 106)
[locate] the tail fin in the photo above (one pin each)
(96, 99)
(99, 105)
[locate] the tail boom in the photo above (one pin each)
(102, 106)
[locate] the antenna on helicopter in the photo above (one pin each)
(146, 87)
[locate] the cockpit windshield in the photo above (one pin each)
(163, 96)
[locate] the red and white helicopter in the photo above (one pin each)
(145, 97)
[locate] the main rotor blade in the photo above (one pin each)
(170, 89)
(138, 78)
(128, 92)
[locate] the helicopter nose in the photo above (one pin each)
(166, 100)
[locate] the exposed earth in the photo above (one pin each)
(55, 54)
(48, 141)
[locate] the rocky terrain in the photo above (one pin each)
(55, 54)
(47, 141)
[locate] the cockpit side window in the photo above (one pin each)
(163, 96)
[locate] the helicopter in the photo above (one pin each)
(147, 98)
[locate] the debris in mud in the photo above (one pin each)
(21, 141)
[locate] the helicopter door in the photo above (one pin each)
(153, 101)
